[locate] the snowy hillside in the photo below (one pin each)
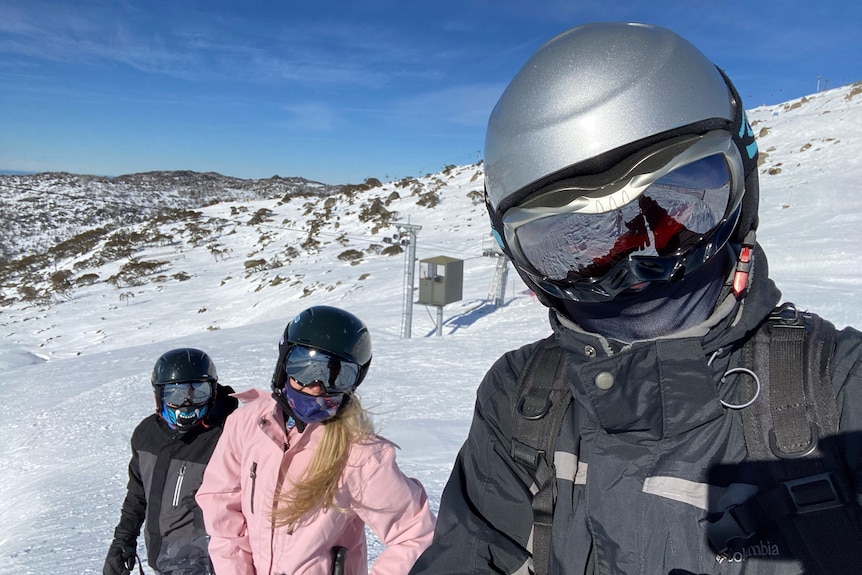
(78, 338)
(40, 211)
(811, 199)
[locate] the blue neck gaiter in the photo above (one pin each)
(312, 408)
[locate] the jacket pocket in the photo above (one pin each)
(179, 486)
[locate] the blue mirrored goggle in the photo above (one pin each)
(310, 367)
(186, 393)
(663, 211)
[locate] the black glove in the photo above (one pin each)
(121, 558)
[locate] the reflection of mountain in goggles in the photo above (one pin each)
(665, 204)
(313, 367)
(193, 393)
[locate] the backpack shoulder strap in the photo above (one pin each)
(537, 415)
(791, 435)
(792, 353)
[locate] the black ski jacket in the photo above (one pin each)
(165, 472)
(635, 461)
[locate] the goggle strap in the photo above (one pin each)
(743, 266)
(279, 377)
(741, 131)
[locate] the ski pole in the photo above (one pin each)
(130, 563)
(339, 558)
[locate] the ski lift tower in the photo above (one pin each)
(407, 237)
(497, 290)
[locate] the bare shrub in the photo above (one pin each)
(135, 272)
(255, 265)
(78, 244)
(61, 281)
(30, 293)
(261, 216)
(350, 255)
(375, 210)
(428, 200)
(87, 279)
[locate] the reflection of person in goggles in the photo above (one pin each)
(314, 368)
(668, 202)
(189, 393)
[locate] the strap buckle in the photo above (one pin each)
(724, 530)
(813, 493)
(804, 452)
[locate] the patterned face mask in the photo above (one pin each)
(312, 408)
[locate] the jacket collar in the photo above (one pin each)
(665, 387)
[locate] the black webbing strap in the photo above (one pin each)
(140, 567)
(543, 399)
(804, 492)
(793, 434)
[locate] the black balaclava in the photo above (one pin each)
(659, 310)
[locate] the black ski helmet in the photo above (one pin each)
(184, 365)
(328, 329)
(594, 96)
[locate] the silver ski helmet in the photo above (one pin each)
(184, 383)
(592, 110)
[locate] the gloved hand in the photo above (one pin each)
(120, 559)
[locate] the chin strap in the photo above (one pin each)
(743, 266)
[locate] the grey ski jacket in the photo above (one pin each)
(641, 463)
(165, 472)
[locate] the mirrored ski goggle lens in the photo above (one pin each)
(313, 367)
(193, 393)
(672, 214)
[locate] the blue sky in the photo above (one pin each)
(339, 91)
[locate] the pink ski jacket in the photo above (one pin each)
(255, 458)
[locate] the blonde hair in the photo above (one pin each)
(316, 489)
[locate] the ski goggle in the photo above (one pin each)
(186, 393)
(308, 366)
(663, 203)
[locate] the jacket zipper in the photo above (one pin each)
(179, 486)
(253, 476)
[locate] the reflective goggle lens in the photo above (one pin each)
(192, 393)
(671, 215)
(313, 367)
